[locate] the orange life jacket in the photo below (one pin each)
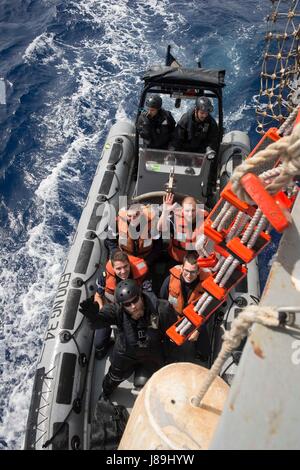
(178, 248)
(145, 242)
(175, 290)
(138, 269)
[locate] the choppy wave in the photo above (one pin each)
(80, 71)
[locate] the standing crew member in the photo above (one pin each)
(140, 335)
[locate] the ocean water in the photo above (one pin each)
(71, 69)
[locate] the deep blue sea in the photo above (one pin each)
(71, 69)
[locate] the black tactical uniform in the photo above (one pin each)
(156, 131)
(138, 341)
(193, 136)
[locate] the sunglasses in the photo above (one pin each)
(133, 301)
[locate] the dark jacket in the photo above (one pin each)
(193, 136)
(156, 131)
(136, 333)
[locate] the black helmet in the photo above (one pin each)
(204, 104)
(127, 290)
(154, 101)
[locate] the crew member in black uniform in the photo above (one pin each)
(198, 132)
(140, 334)
(197, 129)
(156, 125)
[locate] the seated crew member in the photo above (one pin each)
(180, 288)
(197, 129)
(136, 233)
(119, 268)
(140, 335)
(183, 225)
(156, 125)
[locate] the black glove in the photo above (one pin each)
(108, 314)
(98, 318)
(90, 310)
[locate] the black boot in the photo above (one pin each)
(141, 376)
(108, 386)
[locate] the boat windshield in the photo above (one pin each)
(162, 161)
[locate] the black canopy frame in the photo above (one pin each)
(184, 82)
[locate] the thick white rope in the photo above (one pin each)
(200, 246)
(268, 176)
(234, 264)
(227, 218)
(238, 225)
(249, 230)
(223, 212)
(200, 242)
(218, 265)
(231, 340)
(286, 126)
(286, 149)
(260, 227)
(223, 269)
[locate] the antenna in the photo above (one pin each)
(170, 185)
(170, 59)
